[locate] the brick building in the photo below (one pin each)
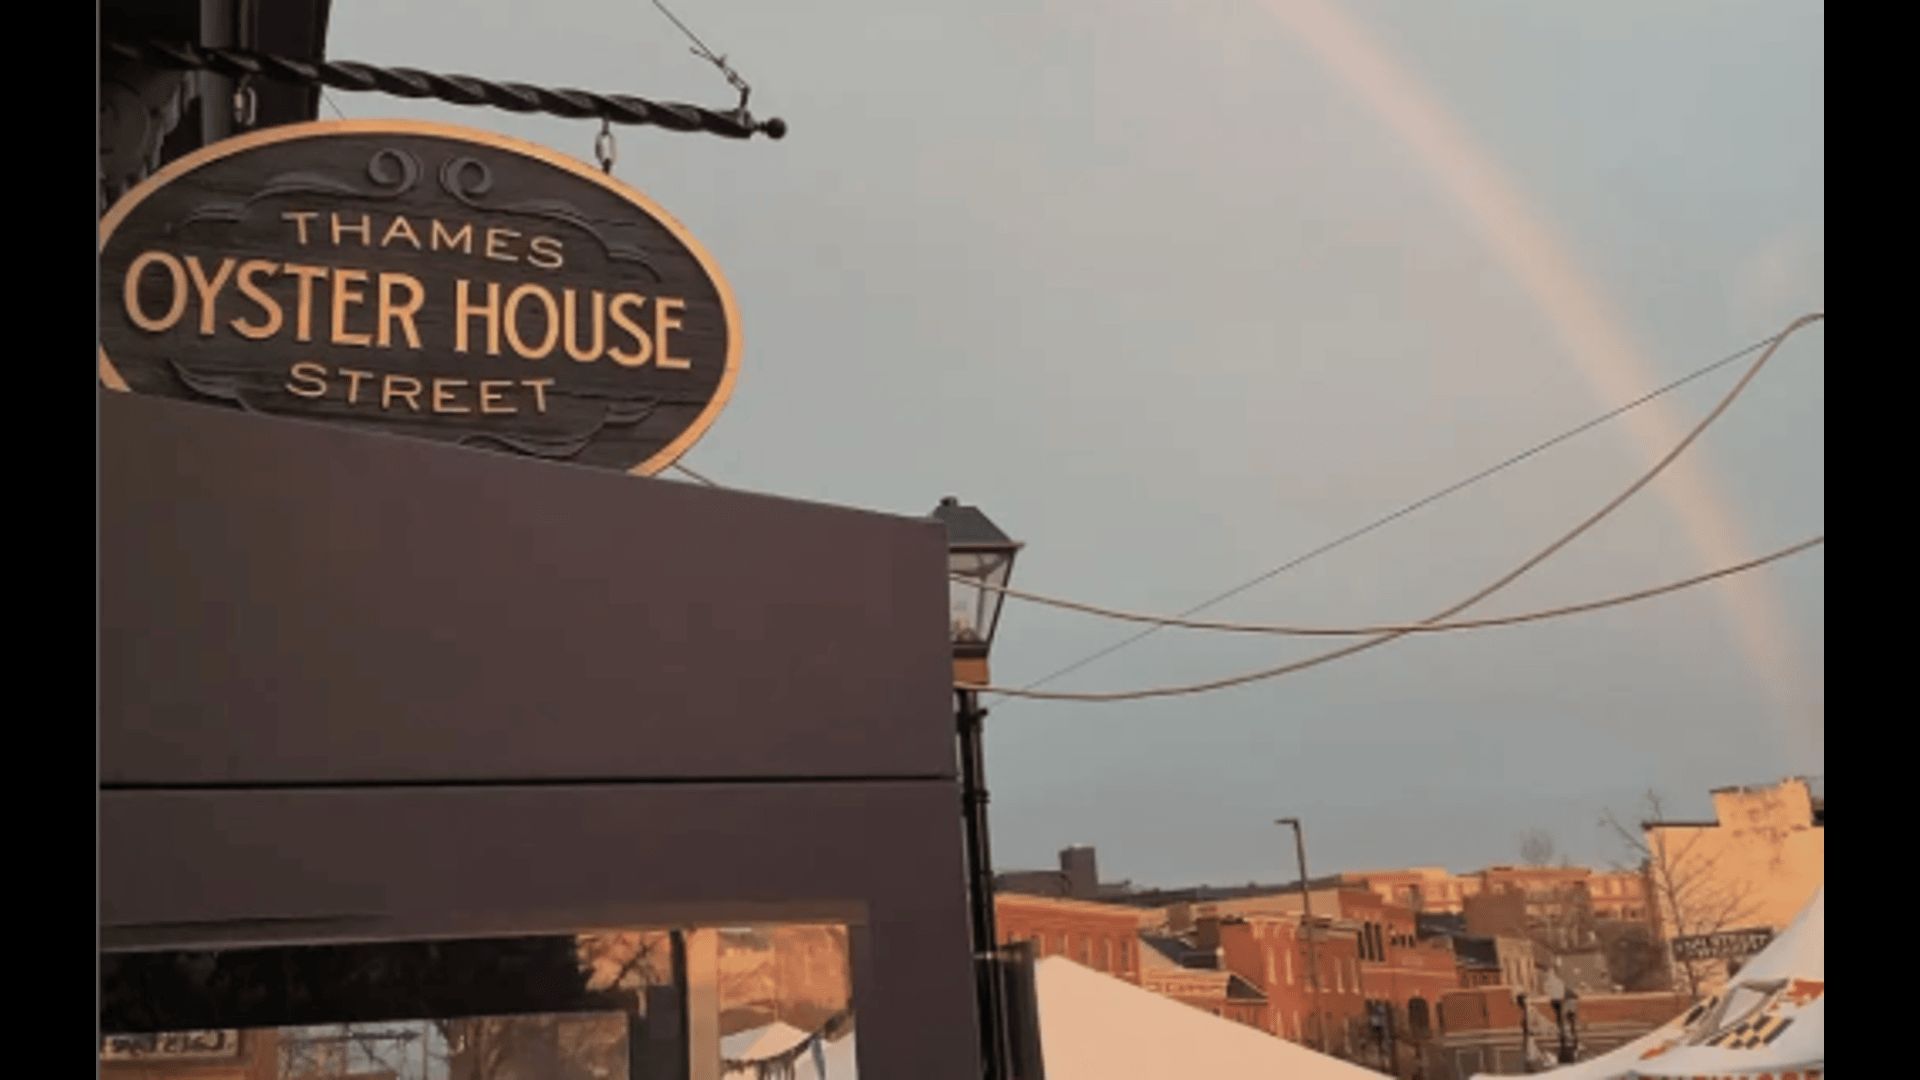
(1483, 959)
(1169, 969)
(1480, 1030)
(1620, 895)
(1753, 867)
(1609, 895)
(1402, 973)
(1271, 953)
(1422, 888)
(1104, 937)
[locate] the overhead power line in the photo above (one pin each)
(1387, 519)
(1404, 628)
(1495, 586)
(700, 50)
(695, 475)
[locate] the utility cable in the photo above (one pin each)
(1417, 504)
(1403, 628)
(1488, 590)
(695, 475)
(700, 50)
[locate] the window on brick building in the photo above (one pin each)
(1419, 1019)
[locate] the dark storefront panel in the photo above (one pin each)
(595, 1005)
(288, 602)
(399, 865)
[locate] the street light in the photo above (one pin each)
(1306, 923)
(1526, 1032)
(1566, 1018)
(978, 553)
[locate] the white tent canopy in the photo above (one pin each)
(1769, 1024)
(1095, 1027)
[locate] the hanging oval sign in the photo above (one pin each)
(423, 280)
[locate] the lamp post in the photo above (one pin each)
(1306, 923)
(978, 553)
(1566, 1018)
(1526, 1032)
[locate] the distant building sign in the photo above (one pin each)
(424, 281)
(172, 1046)
(1727, 945)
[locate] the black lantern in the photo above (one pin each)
(977, 553)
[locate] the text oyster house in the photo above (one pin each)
(346, 307)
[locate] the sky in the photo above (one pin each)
(1175, 292)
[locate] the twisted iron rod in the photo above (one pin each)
(455, 89)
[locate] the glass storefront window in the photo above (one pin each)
(602, 1005)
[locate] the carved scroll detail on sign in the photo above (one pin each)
(454, 177)
(565, 445)
(393, 172)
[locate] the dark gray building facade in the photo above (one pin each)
(398, 732)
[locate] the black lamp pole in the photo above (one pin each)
(1564, 1013)
(1306, 924)
(1526, 1033)
(979, 560)
(973, 795)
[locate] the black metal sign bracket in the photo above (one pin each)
(455, 89)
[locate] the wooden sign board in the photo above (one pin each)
(422, 280)
(1726, 945)
(172, 1046)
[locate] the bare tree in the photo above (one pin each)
(1688, 897)
(1635, 959)
(1537, 847)
(1562, 919)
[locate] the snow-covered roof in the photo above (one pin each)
(1096, 1027)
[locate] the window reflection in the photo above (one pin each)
(741, 1003)
(786, 1003)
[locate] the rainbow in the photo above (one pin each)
(1601, 348)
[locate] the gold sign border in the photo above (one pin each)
(112, 379)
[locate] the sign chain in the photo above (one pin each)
(603, 147)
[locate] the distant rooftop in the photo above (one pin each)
(1181, 953)
(1239, 989)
